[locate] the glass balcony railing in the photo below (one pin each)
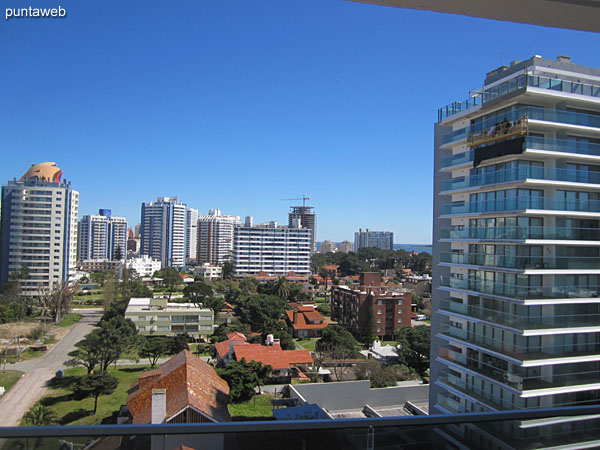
(535, 143)
(510, 233)
(521, 322)
(520, 292)
(515, 375)
(526, 352)
(418, 432)
(520, 174)
(522, 262)
(532, 113)
(522, 203)
(555, 84)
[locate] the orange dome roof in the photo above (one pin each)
(46, 171)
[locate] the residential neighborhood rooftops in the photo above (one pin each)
(272, 355)
(189, 382)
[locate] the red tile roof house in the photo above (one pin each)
(185, 389)
(304, 321)
(286, 364)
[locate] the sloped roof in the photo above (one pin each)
(236, 336)
(189, 381)
(301, 320)
(272, 355)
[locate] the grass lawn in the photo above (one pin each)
(257, 408)
(80, 412)
(308, 344)
(30, 354)
(70, 320)
(8, 378)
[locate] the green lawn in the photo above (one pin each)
(8, 378)
(70, 320)
(308, 344)
(79, 412)
(257, 408)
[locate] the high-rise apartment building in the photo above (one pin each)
(327, 247)
(308, 219)
(163, 231)
(516, 250)
(274, 250)
(345, 247)
(102, 237)
(191, 241)
(39, 228)
(215, 237)
(380, 239)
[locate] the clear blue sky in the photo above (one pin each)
(238, 104)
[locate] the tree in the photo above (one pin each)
(249, 286)
(115, 336)
(179, 343)
(87, 352)
(227, 267)
(40, 415)
(242, 378)
(202, 294)
(336, 344)
(155, 347)
(258, 309)
(379, 375)
(171, 278)
(110, 293)
(282, 288)
(368, 332)
(95, 385)
(60, 299)
(413, 348)
(279, 331)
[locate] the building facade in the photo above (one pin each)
(380, 239)
(327, 247)
(516, 248)
(345, 247)
(39, 228)
(307, 219)
(191, 238)
(271, 249)
(163, 231)
(350, 306)
(209, 271)
(144, 265)
(102, 236)
(215, 237)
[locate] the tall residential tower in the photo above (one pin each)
(516, 259)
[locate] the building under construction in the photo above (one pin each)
(307, 219)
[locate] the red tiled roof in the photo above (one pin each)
(302, 317)
(313, 316)
(236, 336)
(331, 267)
(222, 348)
(189, 381)
(272, 355)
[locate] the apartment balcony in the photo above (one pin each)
(514, 377)
(521, 174)
(521, 353)
(520, 204)
(521, 262)
(521, 323)
(521, 234)
(519, 292)
(534, 143)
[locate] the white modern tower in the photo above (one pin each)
(191, 235)
(516, 259)
(39, 228)
(163, 231)
(215, 237)
(102, 237)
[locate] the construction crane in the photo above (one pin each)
(303, 198)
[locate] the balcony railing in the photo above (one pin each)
(374, 433)
(522, 262)
(520, 292)
(520, 233)
(520, 174)
(522, 203)
(522, 322)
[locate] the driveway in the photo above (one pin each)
(30, 388)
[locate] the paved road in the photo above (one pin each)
(31, 386)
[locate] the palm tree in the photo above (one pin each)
(282, 288)
(40, 415)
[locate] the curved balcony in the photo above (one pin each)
(520, 292)
(521, 174)
(534, 143)
(520, 204)
(521, 233)
(521, 262)
(521, 322)
(521, 352)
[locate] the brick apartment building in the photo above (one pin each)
(350, 305)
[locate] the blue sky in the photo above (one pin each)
(236, 104)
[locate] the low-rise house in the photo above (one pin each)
(144, 265)
(304, 321)
(209, 271)
(157, 317)
(185, 389)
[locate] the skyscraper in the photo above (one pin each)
(163, 231)
(215, 237)
(39, 228)
(516, 249)
(191, 239)
(307, 219)
(380, 239)
(102, 237)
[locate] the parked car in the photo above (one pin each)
(413, 316)
(421, 317)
